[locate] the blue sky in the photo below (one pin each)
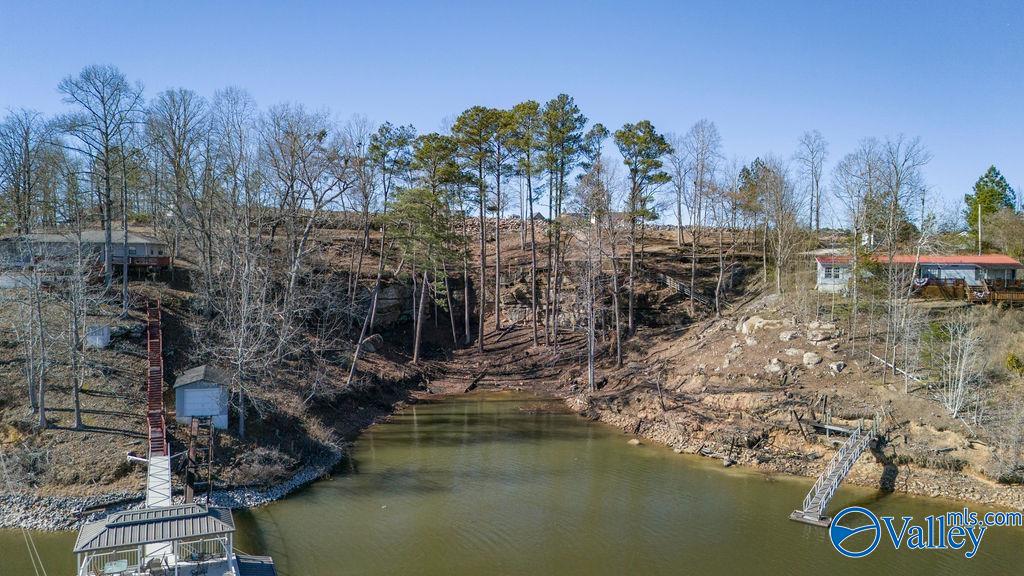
(949, 72)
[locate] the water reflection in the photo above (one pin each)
(507, 484)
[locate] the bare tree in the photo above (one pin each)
(25, 139)
(702, 146)
(307, 172)
(810, 157)
(77, 293)
(679, 170)
(781, 206)
(180, 129)
(959, 354)
(106, 104)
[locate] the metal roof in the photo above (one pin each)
(152, 525)
(204, 372)
(984, 260)
(971, 260)
(88, 237)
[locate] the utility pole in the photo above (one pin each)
(979, 228)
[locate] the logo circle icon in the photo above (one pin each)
(839, 533)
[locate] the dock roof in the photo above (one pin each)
(153, 525)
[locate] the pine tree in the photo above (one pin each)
(642, 149)
(991, 193)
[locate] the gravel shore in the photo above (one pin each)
(51, 513)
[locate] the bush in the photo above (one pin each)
(263, 466)
(1015, 364)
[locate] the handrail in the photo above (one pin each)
(830, 467)
(154, 381)
(836, 470)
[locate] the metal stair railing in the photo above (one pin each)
(830, 490)
(835, 472)
(154, 382)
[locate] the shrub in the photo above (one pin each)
(263, 466)
(1015, 364)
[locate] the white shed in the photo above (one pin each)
(203, 392)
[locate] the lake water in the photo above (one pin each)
(504, 484)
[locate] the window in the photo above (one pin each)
(132, 251)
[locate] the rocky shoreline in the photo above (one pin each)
(810, 459)
(53, 513)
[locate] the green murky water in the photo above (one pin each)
(504, 484)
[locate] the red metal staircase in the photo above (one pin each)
(155, 382)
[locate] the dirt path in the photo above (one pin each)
(509, 361)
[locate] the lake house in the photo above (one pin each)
(25, 250)
(993, 276)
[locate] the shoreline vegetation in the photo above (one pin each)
(327, 268)
(60, 513)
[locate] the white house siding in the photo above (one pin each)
(967, 273)
(832, 277)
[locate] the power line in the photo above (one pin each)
(30, 543)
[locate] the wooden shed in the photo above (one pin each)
(202, 392)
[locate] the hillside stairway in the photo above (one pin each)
(158, 470)
(818, 498)
(680, 286)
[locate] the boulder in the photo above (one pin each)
(755, 323)
(837, 367)
(633, 442)
(812, 359)
(751, 341)
(774, 366)
(373, 343)
(818, 336)
(787, 335)
(794, 352)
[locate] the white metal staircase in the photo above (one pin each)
(817, 499)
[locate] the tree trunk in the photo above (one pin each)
(533, 257)
(632, 275)
(241, 412)
(108, 275)
(124, 229)
(451, 308)
(497, 250)
(482, 288)
(419, 320)
(615, 303)
(41, 373)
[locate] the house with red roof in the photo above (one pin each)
(980, 273)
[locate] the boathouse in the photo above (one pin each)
(192, 539)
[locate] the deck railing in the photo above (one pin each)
(108, 563)
(203, 550)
